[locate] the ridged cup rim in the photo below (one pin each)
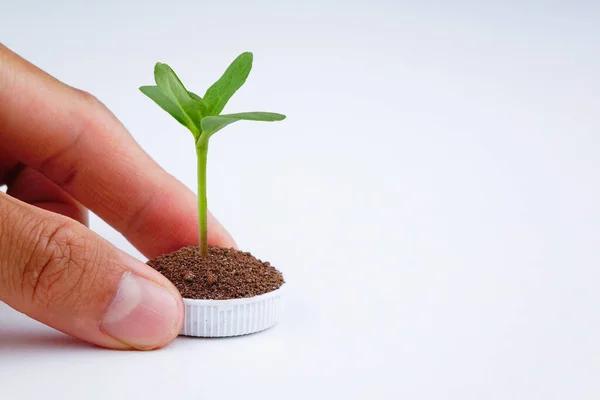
(232, 317)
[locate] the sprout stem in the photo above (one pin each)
(202, 152)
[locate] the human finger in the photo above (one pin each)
(62, 274)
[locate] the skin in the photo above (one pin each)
(62, 153)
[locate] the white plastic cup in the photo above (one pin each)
(233, 317)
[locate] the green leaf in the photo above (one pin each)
(195, 96)
(213, 124)
(233, 78)
(168, 82)
(256, 116)
(163, 101)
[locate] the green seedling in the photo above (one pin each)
(202, 116)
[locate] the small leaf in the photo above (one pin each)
(168, 82)
(233, 78)
(195, 96)
(256, 116)
(213, 124)
(163, 101)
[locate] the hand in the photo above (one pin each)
(62, 152)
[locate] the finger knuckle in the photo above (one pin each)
(86, 96)
(56, 272)
(89, 100)
(87, 118)
(90, 115)
(87, 114)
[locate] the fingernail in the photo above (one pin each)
(143, 314)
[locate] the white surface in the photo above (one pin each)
(234, 317)
(432, 198)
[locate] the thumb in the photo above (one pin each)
(60, 273)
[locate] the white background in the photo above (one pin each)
(432, 199)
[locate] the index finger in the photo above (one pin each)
(75, 141)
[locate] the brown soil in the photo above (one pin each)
(222, 274)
